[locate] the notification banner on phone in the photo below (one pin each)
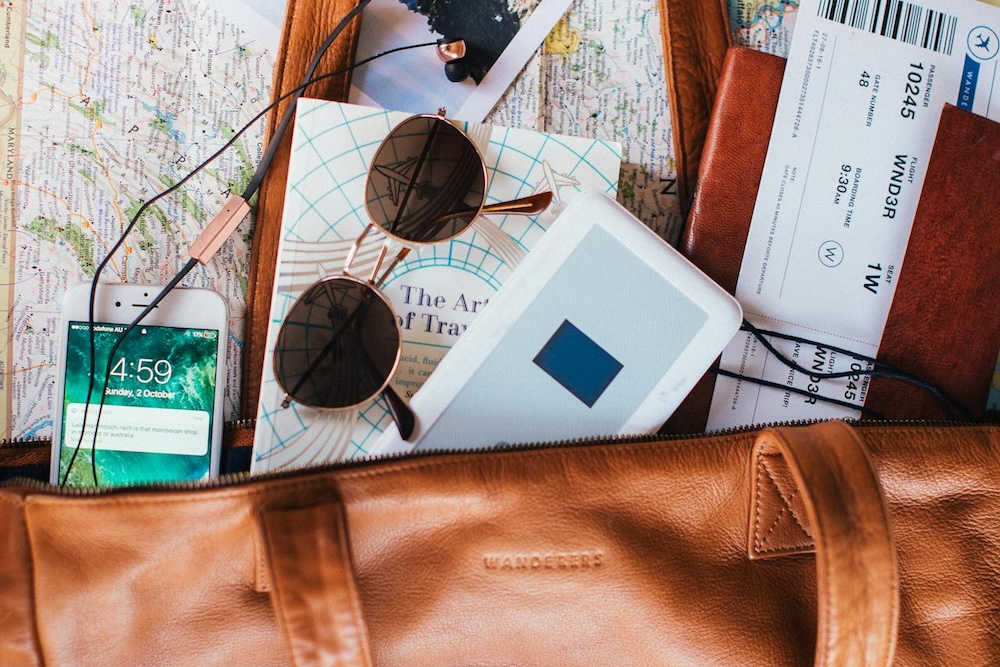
(860, 102)
(138, 429)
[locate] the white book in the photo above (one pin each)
(436, 292)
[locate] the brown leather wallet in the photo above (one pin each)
(942, 325)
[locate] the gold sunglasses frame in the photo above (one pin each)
(401, 413)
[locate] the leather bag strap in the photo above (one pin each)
(821, 478)
(307, 24)
(312, 586)
(695, 39)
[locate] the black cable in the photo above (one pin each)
(286, 119)
(878, 369)
(797, 391)
(252, 186)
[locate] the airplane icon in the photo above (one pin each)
(551, 182)
(399, 180)
(984, 42)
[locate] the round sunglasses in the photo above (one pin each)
(340, 342)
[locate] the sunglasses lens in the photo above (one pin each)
(427, 182)
(338, 345)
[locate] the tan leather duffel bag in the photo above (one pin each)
(694, 551)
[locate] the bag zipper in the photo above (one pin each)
(243, 429)
(229, 429)
(236, 479)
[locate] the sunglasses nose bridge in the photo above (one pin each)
(378, 265)
(400, 256)
(353, 250)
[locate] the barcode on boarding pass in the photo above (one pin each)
(904, 21)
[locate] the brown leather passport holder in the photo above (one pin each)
(944, 323)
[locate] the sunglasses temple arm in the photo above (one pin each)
(400, 256)
(531, 205)
(401, 413)
(353, 251)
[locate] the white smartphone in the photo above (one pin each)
(163, 390)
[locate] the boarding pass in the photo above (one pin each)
(860, 102)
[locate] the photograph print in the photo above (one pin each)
(500, 36)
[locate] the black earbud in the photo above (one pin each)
(451, 52)
(456, 71)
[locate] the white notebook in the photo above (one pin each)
(602, 330)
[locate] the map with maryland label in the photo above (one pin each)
(104, 104)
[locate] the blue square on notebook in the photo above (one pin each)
(578, 363)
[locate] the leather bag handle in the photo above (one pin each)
(312, 586)
(820, 479)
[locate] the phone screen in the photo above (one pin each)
(156, 423)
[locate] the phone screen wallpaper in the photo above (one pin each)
(156, 424)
